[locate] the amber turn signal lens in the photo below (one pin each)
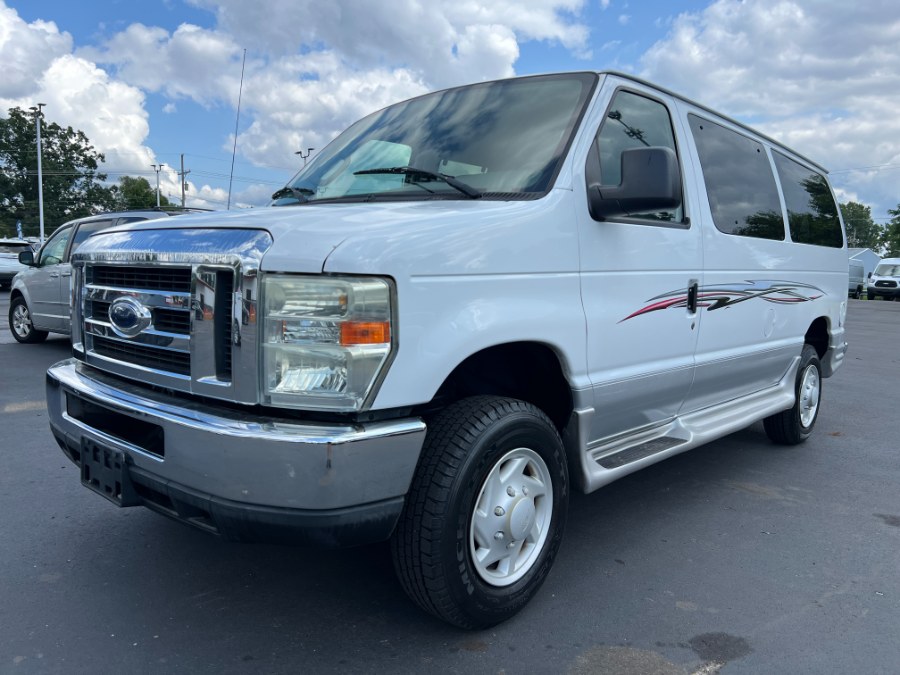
(365, 333)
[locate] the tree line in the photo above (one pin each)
(75, 186)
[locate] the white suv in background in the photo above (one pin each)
(9, 259)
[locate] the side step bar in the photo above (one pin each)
(608, 459)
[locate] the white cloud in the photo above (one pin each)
(428, 37)
(27, 50)
(190, 63)
(824, 78)
(169, 108)
(77, 92)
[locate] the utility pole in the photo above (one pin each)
(306, 156)
(157, 168)
(36, 110)
(183, 176)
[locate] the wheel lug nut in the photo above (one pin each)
(511, 491)
(499, 511)
(498, 536)
(525, 491)
(511, 544)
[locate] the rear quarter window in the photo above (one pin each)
(812, 213)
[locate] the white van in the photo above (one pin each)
(468, 305)
(884, 282)
(857, 281)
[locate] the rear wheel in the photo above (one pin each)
(794, 426)
(20, 324)
(486, 511)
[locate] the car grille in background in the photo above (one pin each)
(885, 284)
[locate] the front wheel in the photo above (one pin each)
(20, 324)
(485, 513)
(794, 426)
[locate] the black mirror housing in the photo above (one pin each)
(26, 258)
(651, 181)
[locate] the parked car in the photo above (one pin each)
(9, 259)
(884, 282)
(466, 306)
(857, 282)
(40, 295)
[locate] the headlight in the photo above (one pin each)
(326, 340)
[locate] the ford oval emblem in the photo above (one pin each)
(128, 317)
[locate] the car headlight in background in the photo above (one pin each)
(325, 340)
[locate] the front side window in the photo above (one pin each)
(743, 196)
(634, 121)
(812, 213)
(55, 248)
(496, 140)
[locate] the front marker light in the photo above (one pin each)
(326, 340)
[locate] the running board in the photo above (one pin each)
(606, 460)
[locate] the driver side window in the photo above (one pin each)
(55, 248)
(634, 121)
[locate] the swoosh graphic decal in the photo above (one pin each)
(726, 295)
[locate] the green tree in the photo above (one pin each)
(862, 231)
(73, 184)
(892, 234)
(136, 193)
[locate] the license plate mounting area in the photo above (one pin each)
(104, 470)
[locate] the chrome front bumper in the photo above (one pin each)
(317, 483)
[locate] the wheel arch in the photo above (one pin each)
(818, 336)
(530, 371)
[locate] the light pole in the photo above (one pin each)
(36, 110)
(157, 168)
(306, 156)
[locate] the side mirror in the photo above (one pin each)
(651, 181)
(27, 258)
(870, 274)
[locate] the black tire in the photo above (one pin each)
(793, 426)
(436, 540)
(20, 324)
(857, 294)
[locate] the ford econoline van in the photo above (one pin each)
(466, 306)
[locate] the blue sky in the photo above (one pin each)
(150, 80)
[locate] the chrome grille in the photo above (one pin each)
(157, 357)
(172, 307)
(173, 279)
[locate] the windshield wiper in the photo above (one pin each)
(300, 194)
(467, 190)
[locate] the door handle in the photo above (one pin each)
(54, 275)
(693, 290)
(65, 274)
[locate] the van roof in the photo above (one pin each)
(669, 92)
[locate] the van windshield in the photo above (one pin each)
(500, 140)
(889, 270)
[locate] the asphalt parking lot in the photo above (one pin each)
(738, 557)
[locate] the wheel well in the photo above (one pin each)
(817, 336)
(527, 371)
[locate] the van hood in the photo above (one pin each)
(306, 236)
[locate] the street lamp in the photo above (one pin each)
(36, 111)
(157, 168)
(304, 157)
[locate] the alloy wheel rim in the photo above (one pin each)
(21, 321)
